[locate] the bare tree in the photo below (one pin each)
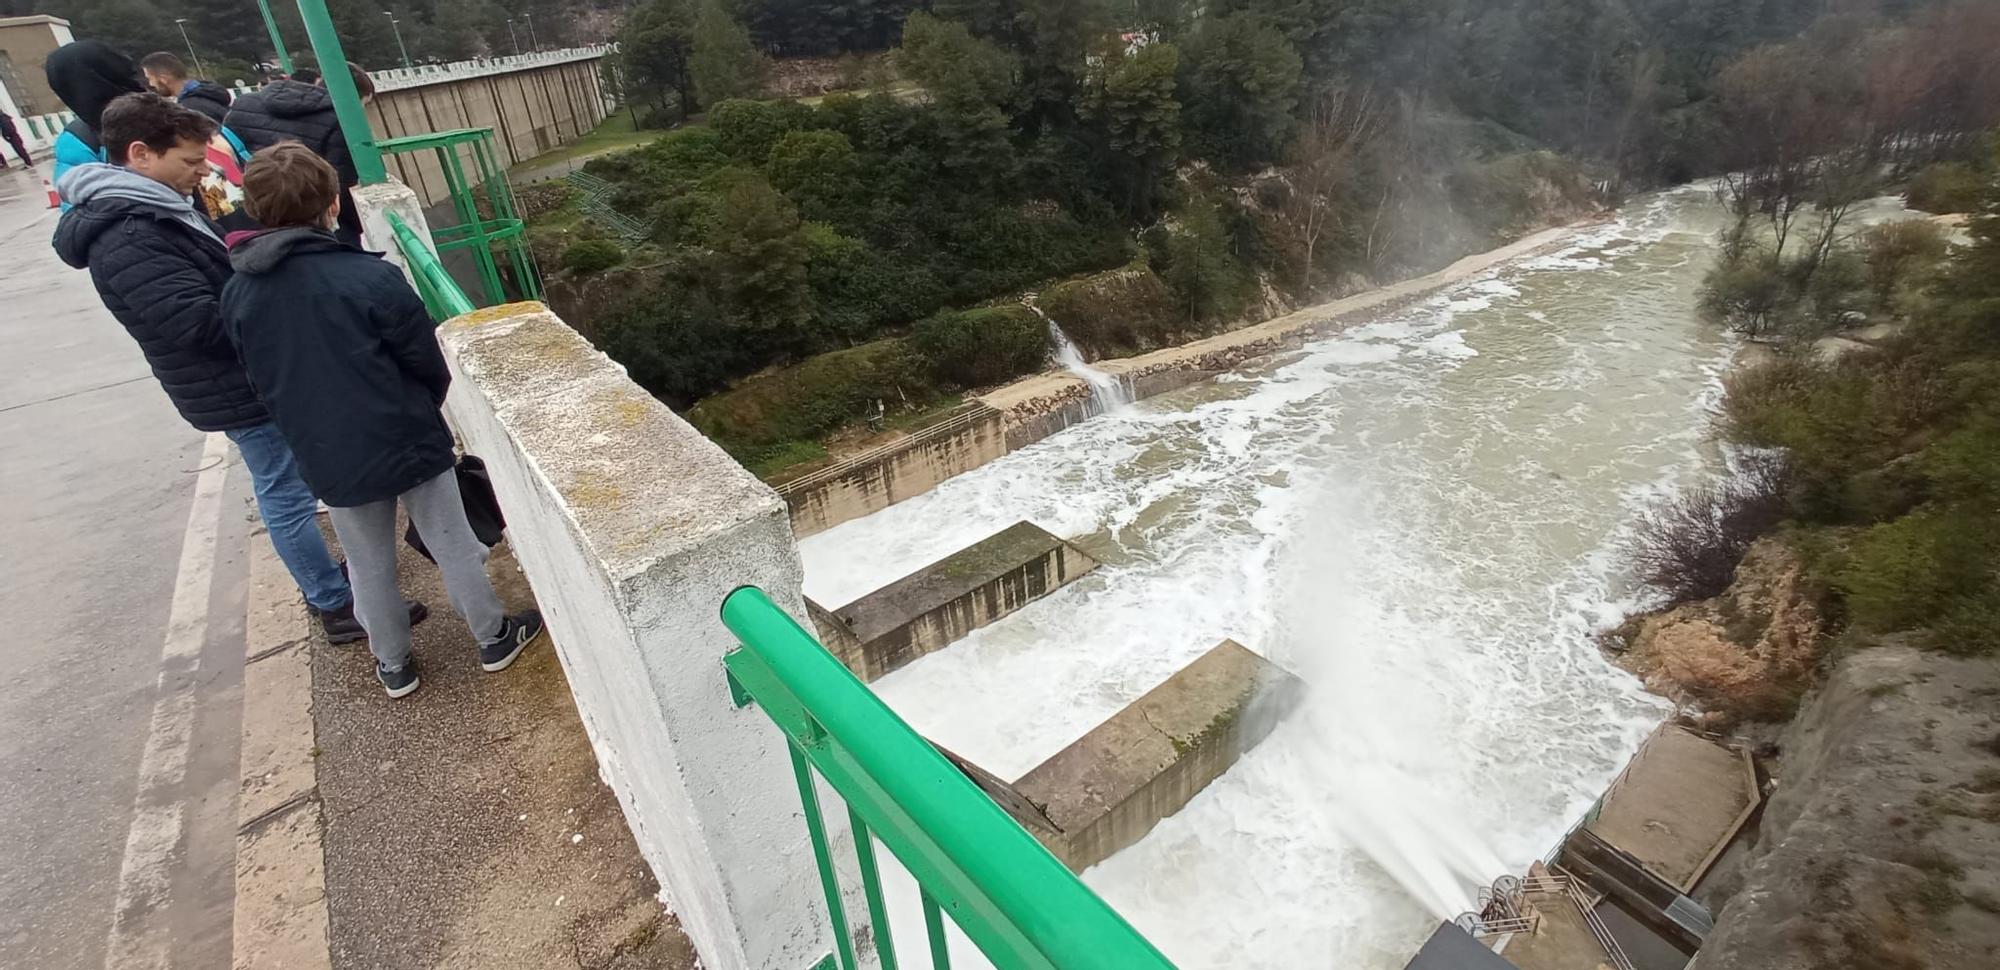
(1338, 124)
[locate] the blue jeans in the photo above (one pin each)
(288, 507)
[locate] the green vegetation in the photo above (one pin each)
(591, 256)
(1233, 152)
(1945, 187)
(1891, 490)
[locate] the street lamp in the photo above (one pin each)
(516, 38)
(181, 22)
(533, 44)
(399, 38)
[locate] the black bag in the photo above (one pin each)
(482, 507)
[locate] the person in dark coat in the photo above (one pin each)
(297, 111)
(12, 136)
(345, 356)
(159, 265)
(87, 76)
(167, 75)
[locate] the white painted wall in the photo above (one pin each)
(375, 202)
(632, 527)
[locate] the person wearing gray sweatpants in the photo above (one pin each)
(344, 356)
(369, 536)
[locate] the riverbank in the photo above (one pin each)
(882, 470)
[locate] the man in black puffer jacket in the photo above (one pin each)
(159, 264)
(167, 75)
(295, 111)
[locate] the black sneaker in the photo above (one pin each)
(342, 628)
(517, 633)
(399, 683)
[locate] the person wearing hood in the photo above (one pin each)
(12, 136)
(159, 265)
(347, 359)
(167, 75)
(87, 76)
(297, 111)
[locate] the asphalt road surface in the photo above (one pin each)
(122, 575)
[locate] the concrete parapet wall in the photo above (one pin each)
(632, 528)
(877, 479)
(929, 609)
(1107, 790)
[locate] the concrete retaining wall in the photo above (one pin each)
(632, 527)
(929, 609)
(1111, 787)
(877, 479)
(532, 108)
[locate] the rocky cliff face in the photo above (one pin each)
(1746, 655)
(1880, 847)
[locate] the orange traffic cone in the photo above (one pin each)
(55, 201)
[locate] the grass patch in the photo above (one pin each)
(615, 133)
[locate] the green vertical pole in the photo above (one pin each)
(277, 39)
(346, 100)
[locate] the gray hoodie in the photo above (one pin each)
(104, 180)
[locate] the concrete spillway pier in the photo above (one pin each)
(928, 609)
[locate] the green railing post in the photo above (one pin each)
(277, 39)
(1023, 909)
(346, 99)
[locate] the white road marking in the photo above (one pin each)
(138, 941)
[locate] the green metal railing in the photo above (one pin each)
(489, 228)
(1021, 907)
(440, 292)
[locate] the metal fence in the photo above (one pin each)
(441, 294)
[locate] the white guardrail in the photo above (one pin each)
(40, 131)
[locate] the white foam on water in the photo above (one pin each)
(1421, 518)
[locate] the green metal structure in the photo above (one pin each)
(277, 39)
(489, 225)
(440, 292)
(1021, 907)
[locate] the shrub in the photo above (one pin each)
(813, 397)
(984, 346)
(1901, 254)
(674, 341)
(1747, 295)
(1946, 187)
(1688, 547)
(1124, 311)
(861, 291)
(592, 256)
(747, 130)
(1930, 564)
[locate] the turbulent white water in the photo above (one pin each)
(1420, 517)
(1107, 393)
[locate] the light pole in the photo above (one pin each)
(399, 38)
(181, 22)
(516, 38)
(533, 44)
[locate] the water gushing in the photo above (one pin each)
(1107, 393)
(1421, 518)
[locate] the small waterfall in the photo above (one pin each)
(1108, 393)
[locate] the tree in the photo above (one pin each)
(723, 63)
(1132, 100)
(1241, 81)
(1336, 130)
(655, 49)
(1199, 267)
(961, 73)
(816, 170)
(759, 261)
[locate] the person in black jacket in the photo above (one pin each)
(12, 136)
(344, 354)
(296, 111)
(167, 75)
(159, 265)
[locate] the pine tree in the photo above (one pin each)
(723, 62)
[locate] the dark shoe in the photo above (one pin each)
(341, 627)
(399, 683)
(517, 633)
